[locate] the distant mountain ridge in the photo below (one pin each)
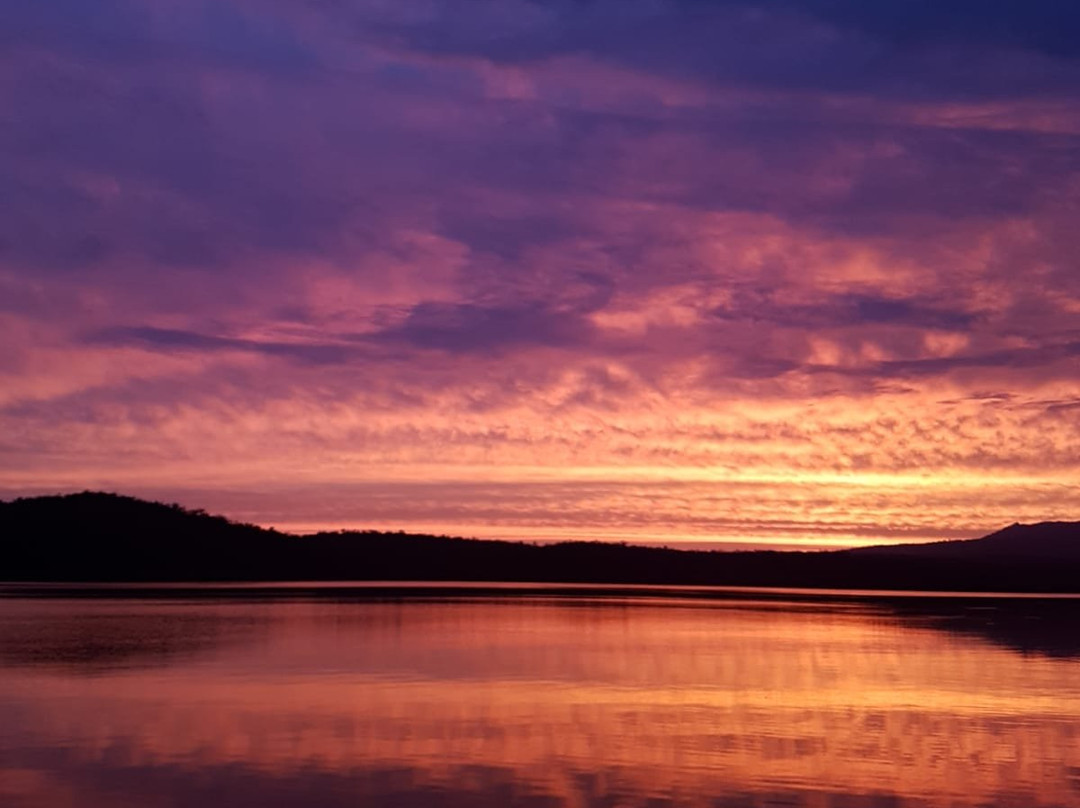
(104, 537)
(1044, 540)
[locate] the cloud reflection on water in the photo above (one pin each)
(537, 703)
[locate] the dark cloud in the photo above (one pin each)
(920, 314)
(849, 310)
(176, 161)
(898, 48)
(469, 328)
(451, 327)
(133, 34)
(1049, 26)
(166, 339)
(142, 170)
(1017, 359)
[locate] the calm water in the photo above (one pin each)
(331, 699)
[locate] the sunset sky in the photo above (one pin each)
(803, 272)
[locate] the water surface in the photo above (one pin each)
(454, 698)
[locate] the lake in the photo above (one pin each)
(524, 696)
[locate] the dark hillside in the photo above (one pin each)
(107, 537)
(1045, 541)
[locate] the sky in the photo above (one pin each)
(796, 273)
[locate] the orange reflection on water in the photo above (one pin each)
(568, 703)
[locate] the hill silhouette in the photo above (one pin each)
(108, 537)
(1048, 541)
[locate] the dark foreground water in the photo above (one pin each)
(458, 699)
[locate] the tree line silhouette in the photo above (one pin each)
(104, 537)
